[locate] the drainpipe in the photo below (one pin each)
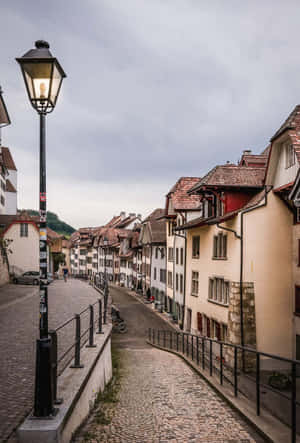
(241, 238)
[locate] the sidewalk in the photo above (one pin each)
(11, 294)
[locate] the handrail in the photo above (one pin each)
(227, 371)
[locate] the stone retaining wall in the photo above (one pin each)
(234, 322)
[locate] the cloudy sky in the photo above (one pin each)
(155, 90)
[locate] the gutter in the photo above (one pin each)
(241, 238)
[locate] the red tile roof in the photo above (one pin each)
(52, 234)
(230, 175)
(179, 196)
(7, 159)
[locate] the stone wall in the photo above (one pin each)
(234, 323)
(4, 275)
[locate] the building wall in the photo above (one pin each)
(25, 250)
(10, 203)
(268, 264)
(283, 175)
(158, 263)
(209, 268)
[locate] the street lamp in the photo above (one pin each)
(43, 77)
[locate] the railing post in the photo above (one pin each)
(210, 358)
(100, 317)
(171, 341)
(153, 336)
(158, 337)
(221, 363)
(77, 343)
(182, 335)
(257, 383)
(164, 339)
(203, 353)
(149, 334)
(187, 345)
(177, 341)
(105, 302)
(197, 347)
(91, 329)
(293, 405)
(235, 372)
(53, 336)
(192, 348)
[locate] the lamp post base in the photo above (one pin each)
(43, 395)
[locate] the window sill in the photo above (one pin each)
(194, 295)
(217, 303)
(219, 258)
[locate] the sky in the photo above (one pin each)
(155, 90)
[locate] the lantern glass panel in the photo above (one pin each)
(38, 78)
(55, 87)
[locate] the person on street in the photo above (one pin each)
(65, 272)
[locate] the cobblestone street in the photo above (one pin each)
(18, 331)
(161, 399)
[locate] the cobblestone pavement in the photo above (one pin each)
(18, 331)
(161, 399)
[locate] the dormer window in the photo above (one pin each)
(289, 155)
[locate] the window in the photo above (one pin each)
(81, 263)
(220, 246)
(289, 155)
(195, 282)
(218, 290)
(170, 279)
(170, 254)
(196, 247)
(82, 252)
(181, 256)
(154, 274)
(181, 283)
(2, 200)
(297, 300)
(176, 280)
(2, 185)
(156, 253)
(162, 253)
(24, 230)
(163, 273)
(177, 256)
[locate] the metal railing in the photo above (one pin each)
(244, 369)
(67, 345)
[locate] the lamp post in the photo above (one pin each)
(43, 77)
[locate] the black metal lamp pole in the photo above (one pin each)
(43, 77)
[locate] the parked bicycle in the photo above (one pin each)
(118, 323)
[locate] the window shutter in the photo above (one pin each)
(215, 246)
(218, 331)
(199, 322)
(224, 246)
(208, 327)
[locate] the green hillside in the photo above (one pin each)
(55, 223)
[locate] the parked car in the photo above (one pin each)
(28, 278)
(31, 278)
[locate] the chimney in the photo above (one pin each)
(139, 216)
(247, 151)
(122, 215)
(132, 214)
